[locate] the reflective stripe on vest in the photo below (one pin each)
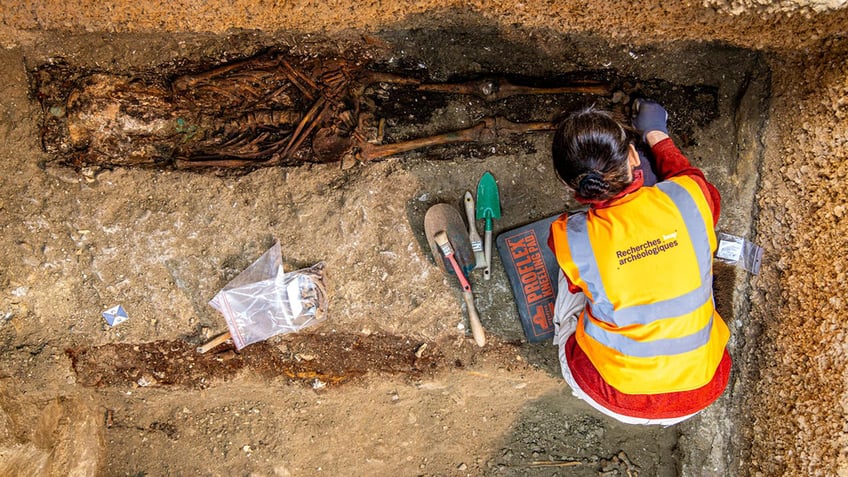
(648, 349)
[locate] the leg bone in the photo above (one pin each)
(493, 90)
(487, 130)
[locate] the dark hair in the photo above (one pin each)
(590, 151)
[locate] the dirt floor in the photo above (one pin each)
(392, 383)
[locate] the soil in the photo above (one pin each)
(392, 383)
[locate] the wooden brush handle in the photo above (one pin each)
(220, 339)
(476, 327)
(473, 236)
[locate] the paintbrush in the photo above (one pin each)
(473, 236)
(444, 244)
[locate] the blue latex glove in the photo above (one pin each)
(649, 116)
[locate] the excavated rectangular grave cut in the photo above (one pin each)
(445, 106)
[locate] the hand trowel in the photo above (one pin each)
(445, 217)
(488, 208)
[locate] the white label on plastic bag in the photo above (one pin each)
(729, 250)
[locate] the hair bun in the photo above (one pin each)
(592, 185)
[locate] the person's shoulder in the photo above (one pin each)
(695, 177)
(562, 219)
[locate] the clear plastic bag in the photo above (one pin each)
(263, 301)
(739, 252)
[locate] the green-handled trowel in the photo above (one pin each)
(488, 208)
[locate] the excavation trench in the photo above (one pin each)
(391, 378)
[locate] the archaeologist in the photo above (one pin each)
(638, 334)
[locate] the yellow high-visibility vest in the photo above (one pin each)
(645, 264)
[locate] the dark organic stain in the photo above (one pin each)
(166, 428)
(332, 359)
